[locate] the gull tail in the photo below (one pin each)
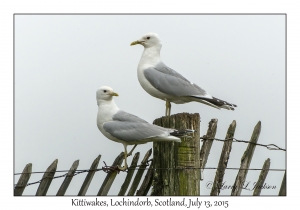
(215, 102)
(173, 135)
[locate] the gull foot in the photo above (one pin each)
(124, 168)
(108, 169)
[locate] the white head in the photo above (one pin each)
(148, 40)
(105, 93)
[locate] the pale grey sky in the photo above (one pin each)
(61, 60)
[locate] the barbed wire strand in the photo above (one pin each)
(136, 168)
(268, 146)
(108, 168)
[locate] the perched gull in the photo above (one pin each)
(128, 129)
(164, 83)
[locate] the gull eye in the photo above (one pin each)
(104, 91)
(148, 37)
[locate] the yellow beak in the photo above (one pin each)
(135, 42)
(114, 94)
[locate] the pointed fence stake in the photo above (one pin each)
(207, 144)
(223, 160)
(139, 173)
(89, 176)
(47, 179)
(129, 175)
(23, 180)
(110, 177)
(64, 186)
(245, 162)
(262, 177)
(282, 191)
(145, 186)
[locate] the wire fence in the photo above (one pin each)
(107, 169)
(268, 146)
(136, 168)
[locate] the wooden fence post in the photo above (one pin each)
(89, 177)
(223, 160)
(47, 179)
(245, 162)
(177, 164)
(262, 177)
(145, 186)
(129, 175)
(110, 177)
(207, 144)
(19, 189)
(139, 173)
(282, 191)
(64, 186)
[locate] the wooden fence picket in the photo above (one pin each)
(89, 176)
(47, 179)
(23, 180)
(64, 186)
(282, 191)
(146, 184)
(207, 144)
(129, 175)
(262, 177)
(245, 161)
(139, 173)
(223, 160)
(175, 169)
(111, 175)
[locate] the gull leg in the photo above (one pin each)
(168, 108)
(130, 153)
(125, 158)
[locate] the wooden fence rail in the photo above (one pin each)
(175, 170)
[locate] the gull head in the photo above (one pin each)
(148, 40)
(105, 93)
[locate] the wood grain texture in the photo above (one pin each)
(175, 163)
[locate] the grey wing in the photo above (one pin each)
(170, 82)
(124, 116)
(133, 131)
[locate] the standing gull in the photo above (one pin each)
(128, 129)
(164, 83)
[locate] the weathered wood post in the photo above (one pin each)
(282, 191)
(22, 183)
(177, 164)
(139, 173)
(129, 175)
(223, 160)
(111, 175)
(262, 177)
(89, 177)
(207, 143)
(47, 179)
(64, 186)
(245, 162)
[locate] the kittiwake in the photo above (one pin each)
(164, 83)
(128, 129)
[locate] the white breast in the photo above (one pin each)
(150, 58)
(106, 110)
(149, 88)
